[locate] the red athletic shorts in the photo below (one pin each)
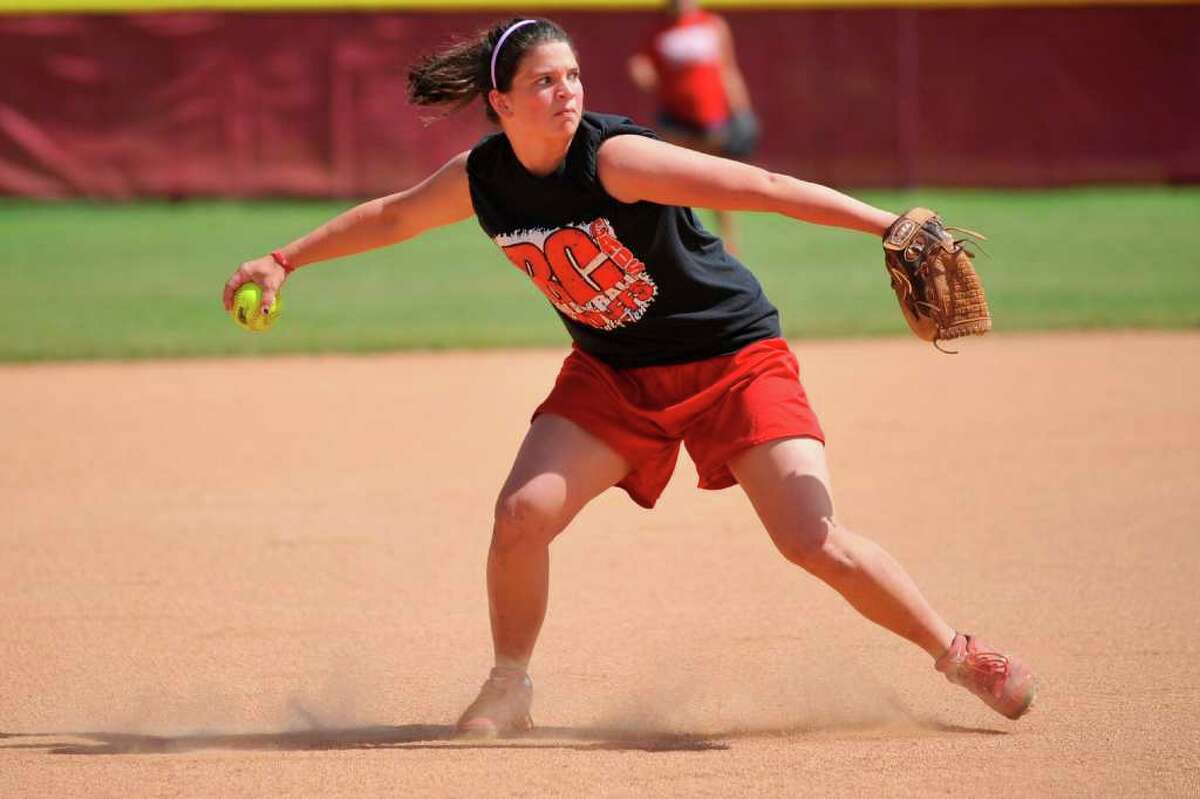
(717, 407)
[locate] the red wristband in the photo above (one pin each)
(282, 260)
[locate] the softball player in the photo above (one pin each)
(688, 63)
(674, 342)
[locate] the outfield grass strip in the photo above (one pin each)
(118, 281)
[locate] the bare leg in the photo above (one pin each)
(559, 469)
(788, 484)
(727, 229)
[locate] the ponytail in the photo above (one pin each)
(448, 79)
(453, 77)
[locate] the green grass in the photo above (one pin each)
(83, 280)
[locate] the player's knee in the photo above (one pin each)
(811, 541)
(526, 518)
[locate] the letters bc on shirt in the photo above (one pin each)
(587, 274)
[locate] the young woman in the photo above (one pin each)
(674, 342)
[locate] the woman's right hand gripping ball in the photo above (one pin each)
(252, 295)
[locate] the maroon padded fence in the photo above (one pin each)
(313, 104)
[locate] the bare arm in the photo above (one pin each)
(634, 168)
(642, 72)
(731, 75)
(440, 199)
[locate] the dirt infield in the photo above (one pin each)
(265, 577)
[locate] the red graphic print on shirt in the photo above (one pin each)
(585, 272)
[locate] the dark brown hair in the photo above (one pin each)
(454, 76)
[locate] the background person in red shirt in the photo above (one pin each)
(689, 63)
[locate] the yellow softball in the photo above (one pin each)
(247, 308)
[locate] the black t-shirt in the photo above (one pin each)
(636, 284)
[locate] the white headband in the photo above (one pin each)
(499, 44)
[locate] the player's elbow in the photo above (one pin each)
(744, 188)
(767, 191)
(393, 217)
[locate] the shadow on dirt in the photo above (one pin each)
(427, 736)
(407, 736)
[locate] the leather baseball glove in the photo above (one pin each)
(939, 292)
